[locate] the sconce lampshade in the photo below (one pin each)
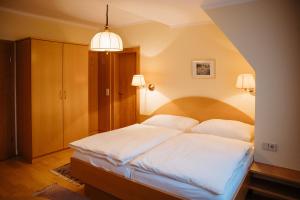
(106, 41)
(138, 80)
(246, 82)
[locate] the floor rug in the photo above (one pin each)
(65, 172)
(57, 192)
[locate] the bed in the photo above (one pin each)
(112, 150)
(106, 180)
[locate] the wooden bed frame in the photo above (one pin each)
(105, 185)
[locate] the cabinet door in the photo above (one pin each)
(46, 87)
(75, 84)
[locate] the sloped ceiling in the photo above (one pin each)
(121, 12)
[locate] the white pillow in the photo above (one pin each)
(172, 121)
(226, 128)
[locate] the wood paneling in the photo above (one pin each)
(7, 99)
(46, 90)
(75, 84)
(23, 76)
(93, 92)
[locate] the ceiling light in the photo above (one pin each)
(106, 40)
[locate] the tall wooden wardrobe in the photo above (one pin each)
(113, 102)
(52, 95)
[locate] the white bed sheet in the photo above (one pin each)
(188, 191)
(123, 170)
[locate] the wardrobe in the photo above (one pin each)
(113, 102)
(52, 95)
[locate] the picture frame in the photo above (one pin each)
(203, 69)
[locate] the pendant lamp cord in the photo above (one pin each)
(106, 26)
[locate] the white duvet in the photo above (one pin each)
(202, 160)
(122, 145)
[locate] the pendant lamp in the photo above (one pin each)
(106, 40)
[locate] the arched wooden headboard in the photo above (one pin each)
(203, 108)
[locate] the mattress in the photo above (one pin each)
(188, 191)
(123, 170)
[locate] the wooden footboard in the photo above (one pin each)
(101, 184)
(116, 185)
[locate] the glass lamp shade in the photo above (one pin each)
(138, 80)
(246, 82)
(106, 41)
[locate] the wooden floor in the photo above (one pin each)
(18, 180)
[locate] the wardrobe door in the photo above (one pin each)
(46, 90)
(75, 84)
(6, 100)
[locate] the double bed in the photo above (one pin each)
(149, 161)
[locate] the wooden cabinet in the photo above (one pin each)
(271, 182)
(52, 95)
(111, 91)
(7, 110)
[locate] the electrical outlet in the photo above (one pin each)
(270, 147)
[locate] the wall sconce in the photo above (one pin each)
(139, 81)
(246, 82)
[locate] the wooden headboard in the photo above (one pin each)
(203, 108)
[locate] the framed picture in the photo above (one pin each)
(204, 69)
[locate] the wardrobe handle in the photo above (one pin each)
(60, 94)
(65, 95)
(107, 91)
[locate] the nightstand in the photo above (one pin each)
(270, 182)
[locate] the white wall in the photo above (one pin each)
(267, 34)
(16, 26)
(166, 56)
